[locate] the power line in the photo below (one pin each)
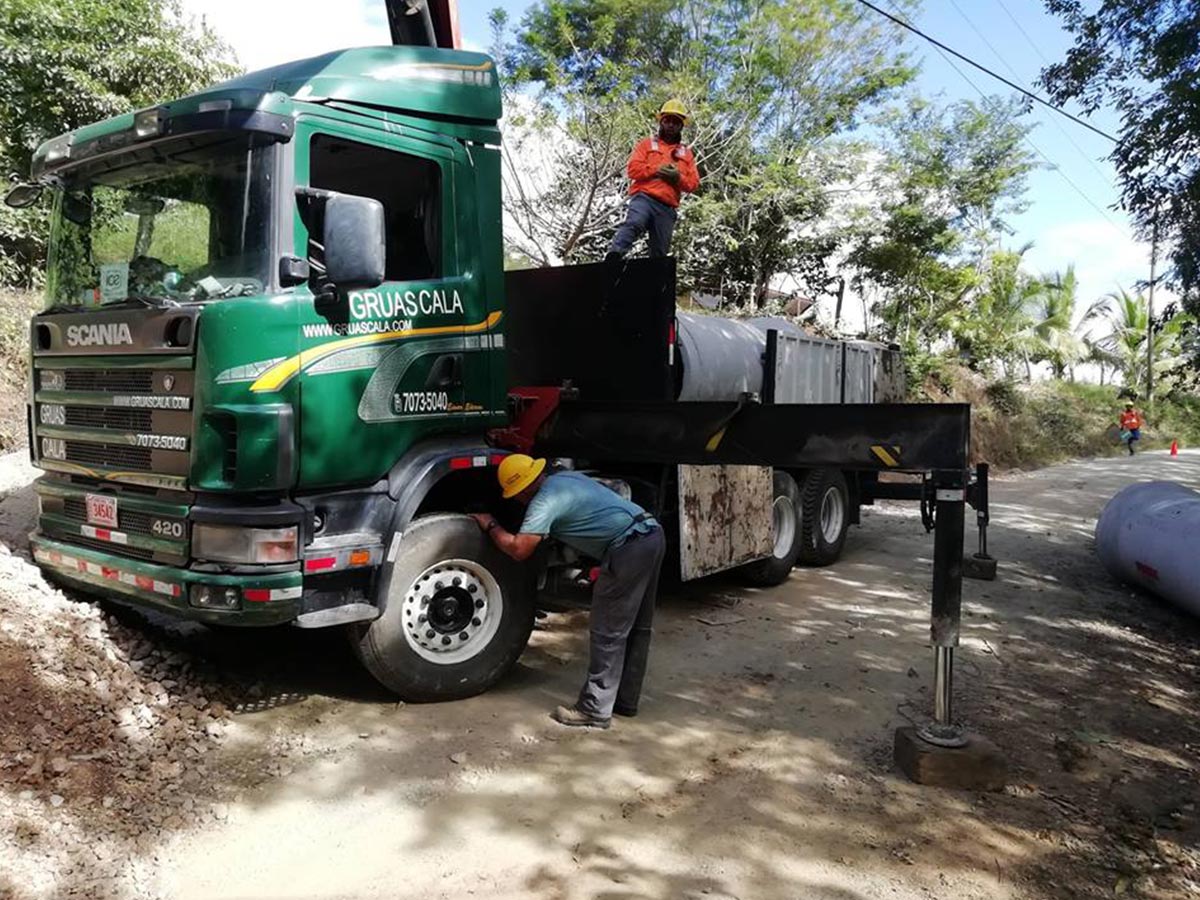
(1028, 39)
(986, 70)
(958, 9)
(1036, 149)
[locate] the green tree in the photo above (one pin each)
(1054, 329)
(1140, 57)
(996, 327)
(771, 84)
(66, 65)
(949, 178)
(1125, 317)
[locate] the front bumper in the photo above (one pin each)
(166, 588)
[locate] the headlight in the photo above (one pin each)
(229, 543)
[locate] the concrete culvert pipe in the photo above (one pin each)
(721, 358)
(1148, 535)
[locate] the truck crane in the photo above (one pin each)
(280, 358)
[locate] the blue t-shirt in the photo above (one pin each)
(582, 513)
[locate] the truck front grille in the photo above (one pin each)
(139, 420)
(113, 456)
(115, 381)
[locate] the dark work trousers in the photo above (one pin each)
(622, 622)
(646, 214)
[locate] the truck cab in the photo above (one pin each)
(225, 431)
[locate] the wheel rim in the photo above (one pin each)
(451, 611)
(833, 515)
(783, 521)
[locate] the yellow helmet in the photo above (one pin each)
(517, 472)
(675, 107)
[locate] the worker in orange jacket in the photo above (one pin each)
(1131, 426)
(662, 169)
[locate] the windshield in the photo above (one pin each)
(193, 224)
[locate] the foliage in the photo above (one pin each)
(995, 327)
(950, 176)
(770, 83)
(1126, 317)
(67, 65)
(1140, 57)
(1056, 340)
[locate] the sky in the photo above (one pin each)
(1070, 218)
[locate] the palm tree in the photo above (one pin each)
(996, 326)
(1055, 337)
(1127, 316)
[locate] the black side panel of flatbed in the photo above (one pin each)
(604, 328)
(870, 437)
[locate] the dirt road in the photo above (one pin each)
(760, 766)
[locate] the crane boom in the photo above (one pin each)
(424, 23)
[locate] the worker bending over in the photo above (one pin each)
(628, 542)
(662, 169)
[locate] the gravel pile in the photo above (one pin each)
(106, 744)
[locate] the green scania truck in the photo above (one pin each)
(280, 359)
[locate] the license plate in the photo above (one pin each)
(102, 510)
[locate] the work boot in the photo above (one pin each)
(575, 717)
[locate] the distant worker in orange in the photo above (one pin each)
(662, 169)
(1131, 426)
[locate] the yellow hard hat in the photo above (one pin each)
(675, 107)
(517, 472)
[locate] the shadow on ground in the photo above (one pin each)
(761, 764)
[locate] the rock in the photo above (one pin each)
(458, 758)
(59, 765)
(56, 800)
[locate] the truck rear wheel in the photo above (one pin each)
(459, 613)
(824, 516)
(785, 525)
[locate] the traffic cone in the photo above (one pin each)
(1174, 448)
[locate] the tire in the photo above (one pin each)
(785, 525)
(419, 651)
(824, 516)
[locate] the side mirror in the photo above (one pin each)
(355, 248)
(22, 195)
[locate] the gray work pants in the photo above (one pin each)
(645, 214)
(622, 622)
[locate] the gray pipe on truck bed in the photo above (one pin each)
(721, 359)
(1149, 535)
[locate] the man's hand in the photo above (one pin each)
(669, 173)
(484, 520)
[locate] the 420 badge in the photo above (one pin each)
(416, 402)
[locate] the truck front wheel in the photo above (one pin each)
(824, 516)
(458, 614)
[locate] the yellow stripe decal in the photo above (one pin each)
(885, 457)
(281, 373)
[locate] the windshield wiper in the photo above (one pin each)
(144, 299)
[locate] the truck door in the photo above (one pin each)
(383, 368)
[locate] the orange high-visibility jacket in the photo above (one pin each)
(642, 169)
(1131, 419)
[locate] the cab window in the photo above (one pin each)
(409, 187)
